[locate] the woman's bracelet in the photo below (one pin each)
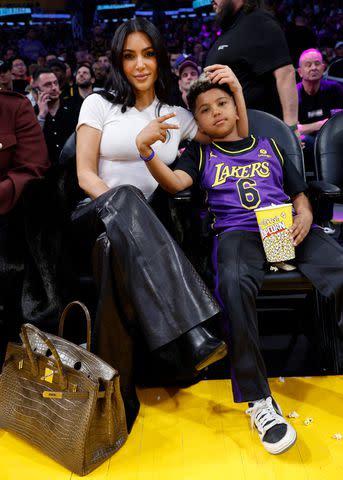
(150, 157)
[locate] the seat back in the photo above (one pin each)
(264, 124)
(335, 71)
(328, 151)
(69, 150)
(67, 177)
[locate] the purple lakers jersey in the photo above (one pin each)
(237, 182)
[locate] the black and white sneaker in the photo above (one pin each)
(276, 434)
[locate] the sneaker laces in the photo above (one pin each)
(263, 414)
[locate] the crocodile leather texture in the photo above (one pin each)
(62, 399)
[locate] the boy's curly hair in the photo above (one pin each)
(200, 86)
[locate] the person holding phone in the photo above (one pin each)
(57, 118)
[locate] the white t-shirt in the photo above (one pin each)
(119, 162)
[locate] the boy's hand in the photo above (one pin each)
(154, 131)
(223, 74)
(301, 225)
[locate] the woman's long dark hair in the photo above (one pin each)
(118, 89)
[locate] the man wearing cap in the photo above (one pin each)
(318, 100)
(254, 46)
(23, 157)
(335, 68)
(60, 70)
(187, 71)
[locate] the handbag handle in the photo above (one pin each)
(24, 336)
(87, 316)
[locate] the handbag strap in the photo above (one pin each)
(87, 316)
(25, 338)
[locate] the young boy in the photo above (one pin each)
(239, 175)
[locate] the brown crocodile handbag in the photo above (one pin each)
(62, 399)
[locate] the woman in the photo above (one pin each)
(155, 291)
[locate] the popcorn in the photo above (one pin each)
(293, 414)
(274, 223)
(308, 421)
(279, 247)
(337, 436)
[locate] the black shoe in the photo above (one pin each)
(201, 349)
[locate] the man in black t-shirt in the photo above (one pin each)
(318, 100)
(253, 45)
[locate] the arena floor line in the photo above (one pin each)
(199, 433)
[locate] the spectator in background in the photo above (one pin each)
(335, 68)
(188, 72)
(41, 61)
(299, 38)
(104, 60)
(19, 75)
(57, 117)
(6, 82)
(101, 75)
(19, 69)
(23, 157)
(339, 50)
(50, 56)
(199, 54)
(89, 58)
(318, 99)
(60, 70)
(84, 80)
(80, 56)
(10, 53)
(99, 43)
(31, 48)
(254, 46)
(173, 55)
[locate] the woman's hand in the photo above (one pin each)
(154, 131)
(223, 74)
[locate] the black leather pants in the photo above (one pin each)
(147, 287)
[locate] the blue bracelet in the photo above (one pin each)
(150, 157)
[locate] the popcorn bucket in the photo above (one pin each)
(273, 223)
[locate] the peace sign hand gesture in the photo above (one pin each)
(154, 131)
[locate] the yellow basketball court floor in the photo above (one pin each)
(198, 433)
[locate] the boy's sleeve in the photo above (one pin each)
(293, 182)
(189, 161)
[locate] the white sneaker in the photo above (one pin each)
(328, 227)
(276, 434)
